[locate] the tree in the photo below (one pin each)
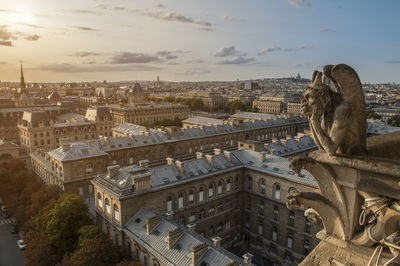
(69, 214)
(39, 250)
(372, 114)
(394, 121)
(95, 248)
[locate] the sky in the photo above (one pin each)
(196, 40)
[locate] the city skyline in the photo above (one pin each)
(201, 40)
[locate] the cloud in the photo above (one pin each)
(29, 25)
(195, 61)
(392, 62)
(3, 63)
(160, 6)
(328, 30)
(295, 49)
(32, 37)
(101, 6)
(269, 50)
(84, 28)
(128, 58)
(300, 3)
(5, 34)
(206, 29)
(7, 11)
(70, 68)
(226, 51)
(85, 11)
(84, 54)
(171, 16)
(119, 8)
(238, 60)
(6, 43)
(297, 65)
(195, 71)
(232, 19)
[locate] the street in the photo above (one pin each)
(10, 255)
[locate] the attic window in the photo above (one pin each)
(264, 166)
(200, 172)
(138, 220)
(291, 173)
(119, 145)
(178, 247)
(121, 182)
(156, 232)
(250, 162)
(275, 169)
(113, 146)
(178, 177)
(165, 180)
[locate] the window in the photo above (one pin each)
(276, 213)
(219, 190)
(220, 228)
(116, 212)
(228, 185)
(80, 191)
(261, 208)
(182, 219)
(202, 214)
(90, 187)
(275, 234)
(291, 219)
(201, 194)
(99, 200)
(211, 211)
(191, 196)
(262, 186)
(307, 246)
(307, 227)
(260, 229)
(248, 206)
(227, 225)
(211, 191)
(169, 204)
(211, 231)
(259, 242)
(290, 240)
(180, 200)
(277, 192)
(228, 204)
(249, 182)
(192, 217)
(131, 160)
(108, 208)
(220, 207)
(236, 182)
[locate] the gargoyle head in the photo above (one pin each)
(317, 98)
(292, 203)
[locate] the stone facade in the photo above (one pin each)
(240, 199)
(269, 107)
(148, 113)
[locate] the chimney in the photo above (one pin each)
(112, 170)
(179, 164)
(247, 259)
(198, 252)
(170, 160)
(209, 159)
(288, 136)
(191, 228)
(173, 236)
(228, 155)
(170, 215)
(217, 151)
(65, 147)
(144, 163)
(152, 223)
(217, 241)
(199, 155)
(262, 156)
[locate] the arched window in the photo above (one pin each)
(108, 208)
(276, 213)
(249, 182)
(210, 190)
(277, 193)
(116, 212)
(228, 185)
(262, 186)
(219, 188)
(99, 200)
(191, 196)
(169, 204)
(236, 182)
(201, 194)
(180, 200)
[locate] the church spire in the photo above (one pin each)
(23, 85)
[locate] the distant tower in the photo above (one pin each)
(23, 85)
(298, 76)
(158, 79)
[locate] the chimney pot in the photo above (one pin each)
(112, 170)
(144, 163)
(217, 241)
(170, 160)
(170, 215)
(199, 155)
(247, 259)
(191, 228)
(217, 151)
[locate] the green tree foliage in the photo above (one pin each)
(237, 105)
(372, 114)
(69, 214)
(94, 248)
(394, 121)
(195, 104)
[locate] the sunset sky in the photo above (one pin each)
(190, 40)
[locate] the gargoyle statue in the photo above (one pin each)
(342, 128)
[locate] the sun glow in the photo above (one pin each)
(23, 14)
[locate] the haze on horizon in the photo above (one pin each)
(180, 40)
